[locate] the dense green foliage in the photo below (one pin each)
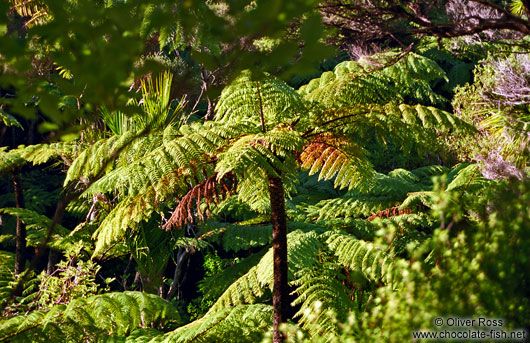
(145, 137)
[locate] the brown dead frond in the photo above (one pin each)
(209, 191)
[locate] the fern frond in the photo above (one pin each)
(360, 82)
(251, 97)
(253, 154)
(244, 237)
(42, 153)
(7, 273)
(390, 212)
(361, 256)
(466, 177)
(211, 190)
(9, 120)
(97, 157)
(10, 160)
(37, 225)
(113, 314)
(322, 297)
(36, 10)
(187, 150)
(350, 207)
(243, 323)
(214, 286)
(302, 251)
(336, 157)
(429, 117)
(125, 216)
(425, 198)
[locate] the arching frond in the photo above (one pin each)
(7, 274)
(243, 323)
(429, 117)
(98, 157)
(268, 152)
(361, 256)
(42, 153)
(255, 157)
(123, 218)
(186, 151)
(37, 226)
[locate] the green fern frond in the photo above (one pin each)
(185, 151)
(9, 120)
(251, 97)
(242, 323)
(243, 237)
(37, 225)
(517, 7)
(43, 153)
(428, 117)
(254, 154)
(112, 314)
(358, 255)
(98, 157)
(429, 171)
(7, 273)
(302, 251)
(322, 297)
(425, 198)
(365, 82)
(350, 207)
(466, 177)
(123, 218)
(10, 160)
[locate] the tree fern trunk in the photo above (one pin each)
(20, 252)
(279, 246)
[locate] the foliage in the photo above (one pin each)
(112, 315)
(169, 182)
